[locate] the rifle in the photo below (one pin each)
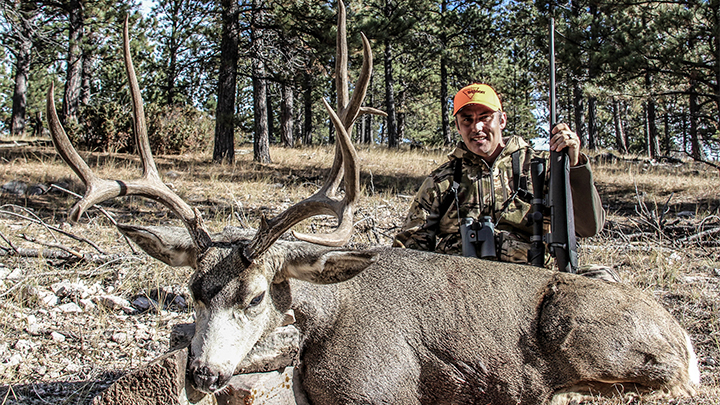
(561, 240)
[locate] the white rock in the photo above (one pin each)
(58, 337)
(23, 345)
(45, 297)
(14, 360)
(31, 319)
(16, 274)
(70, 308)
(119, 337)
(67, 289)
(34, 329)
(112, 302)
(87, 305)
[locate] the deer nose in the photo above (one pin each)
(205, 379)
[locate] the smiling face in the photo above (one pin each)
(481, 130)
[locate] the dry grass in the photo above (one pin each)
(647, 251)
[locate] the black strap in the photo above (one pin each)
(452, 192)
(519, 182)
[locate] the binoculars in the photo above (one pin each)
(478, 236)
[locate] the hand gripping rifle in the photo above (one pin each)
(561, 240)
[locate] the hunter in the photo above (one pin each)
(492, 174)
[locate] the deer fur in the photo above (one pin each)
(399, 326)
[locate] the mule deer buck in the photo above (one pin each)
(389, 325)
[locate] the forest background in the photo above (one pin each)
(632, 76)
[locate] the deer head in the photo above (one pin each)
(240, 285)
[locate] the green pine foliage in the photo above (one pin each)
(655, 64)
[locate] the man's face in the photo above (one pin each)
(481, 130)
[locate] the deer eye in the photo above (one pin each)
(257, 300)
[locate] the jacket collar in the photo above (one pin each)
(512, 144)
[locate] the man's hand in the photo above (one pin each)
(563, 137)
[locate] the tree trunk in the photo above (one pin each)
(695, 149)
(286, 115)
(227, 76)
(620, 142)
(87, 74)
(22, 70)
(270, 111)
(592, 123)
(73, 81)
(715, 6)
(445, 116)
(667, 141)
(390, 97)
(261, 144)
(653, 147)
(307, 98)
(367, 129)
(401, 116)
(578, 113)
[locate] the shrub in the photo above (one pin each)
(108, 127)
(175, 129)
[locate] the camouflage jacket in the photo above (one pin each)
(489, 191)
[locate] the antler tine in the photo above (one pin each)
(318, 203)
(341, 60)
(141, 137)
(344, 164)
(149, 186)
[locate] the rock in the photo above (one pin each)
(113, 302)
(45, 298)
(57, 337)
(65, 289)
(34, 329)
(15, 187)
(143, 303)
(181, 335)
(16, 274)
(273, 388)
(61, 184)
(70, 308)
(119, 337)
(87, 305)
(160, 382)
(14, 360)
(24, 345)
(37, 189)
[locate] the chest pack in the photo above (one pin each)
(518, 180)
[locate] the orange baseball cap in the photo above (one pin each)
(476, 93)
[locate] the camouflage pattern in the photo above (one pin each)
(484, 191)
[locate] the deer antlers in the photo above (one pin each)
(344, 165)
(151, 186)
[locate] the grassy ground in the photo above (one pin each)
(654, 239)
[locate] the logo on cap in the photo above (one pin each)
(476, 94)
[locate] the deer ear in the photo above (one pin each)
(170, 244)
(328, 266)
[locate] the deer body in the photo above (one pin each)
(420, 327)
(417, 327)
